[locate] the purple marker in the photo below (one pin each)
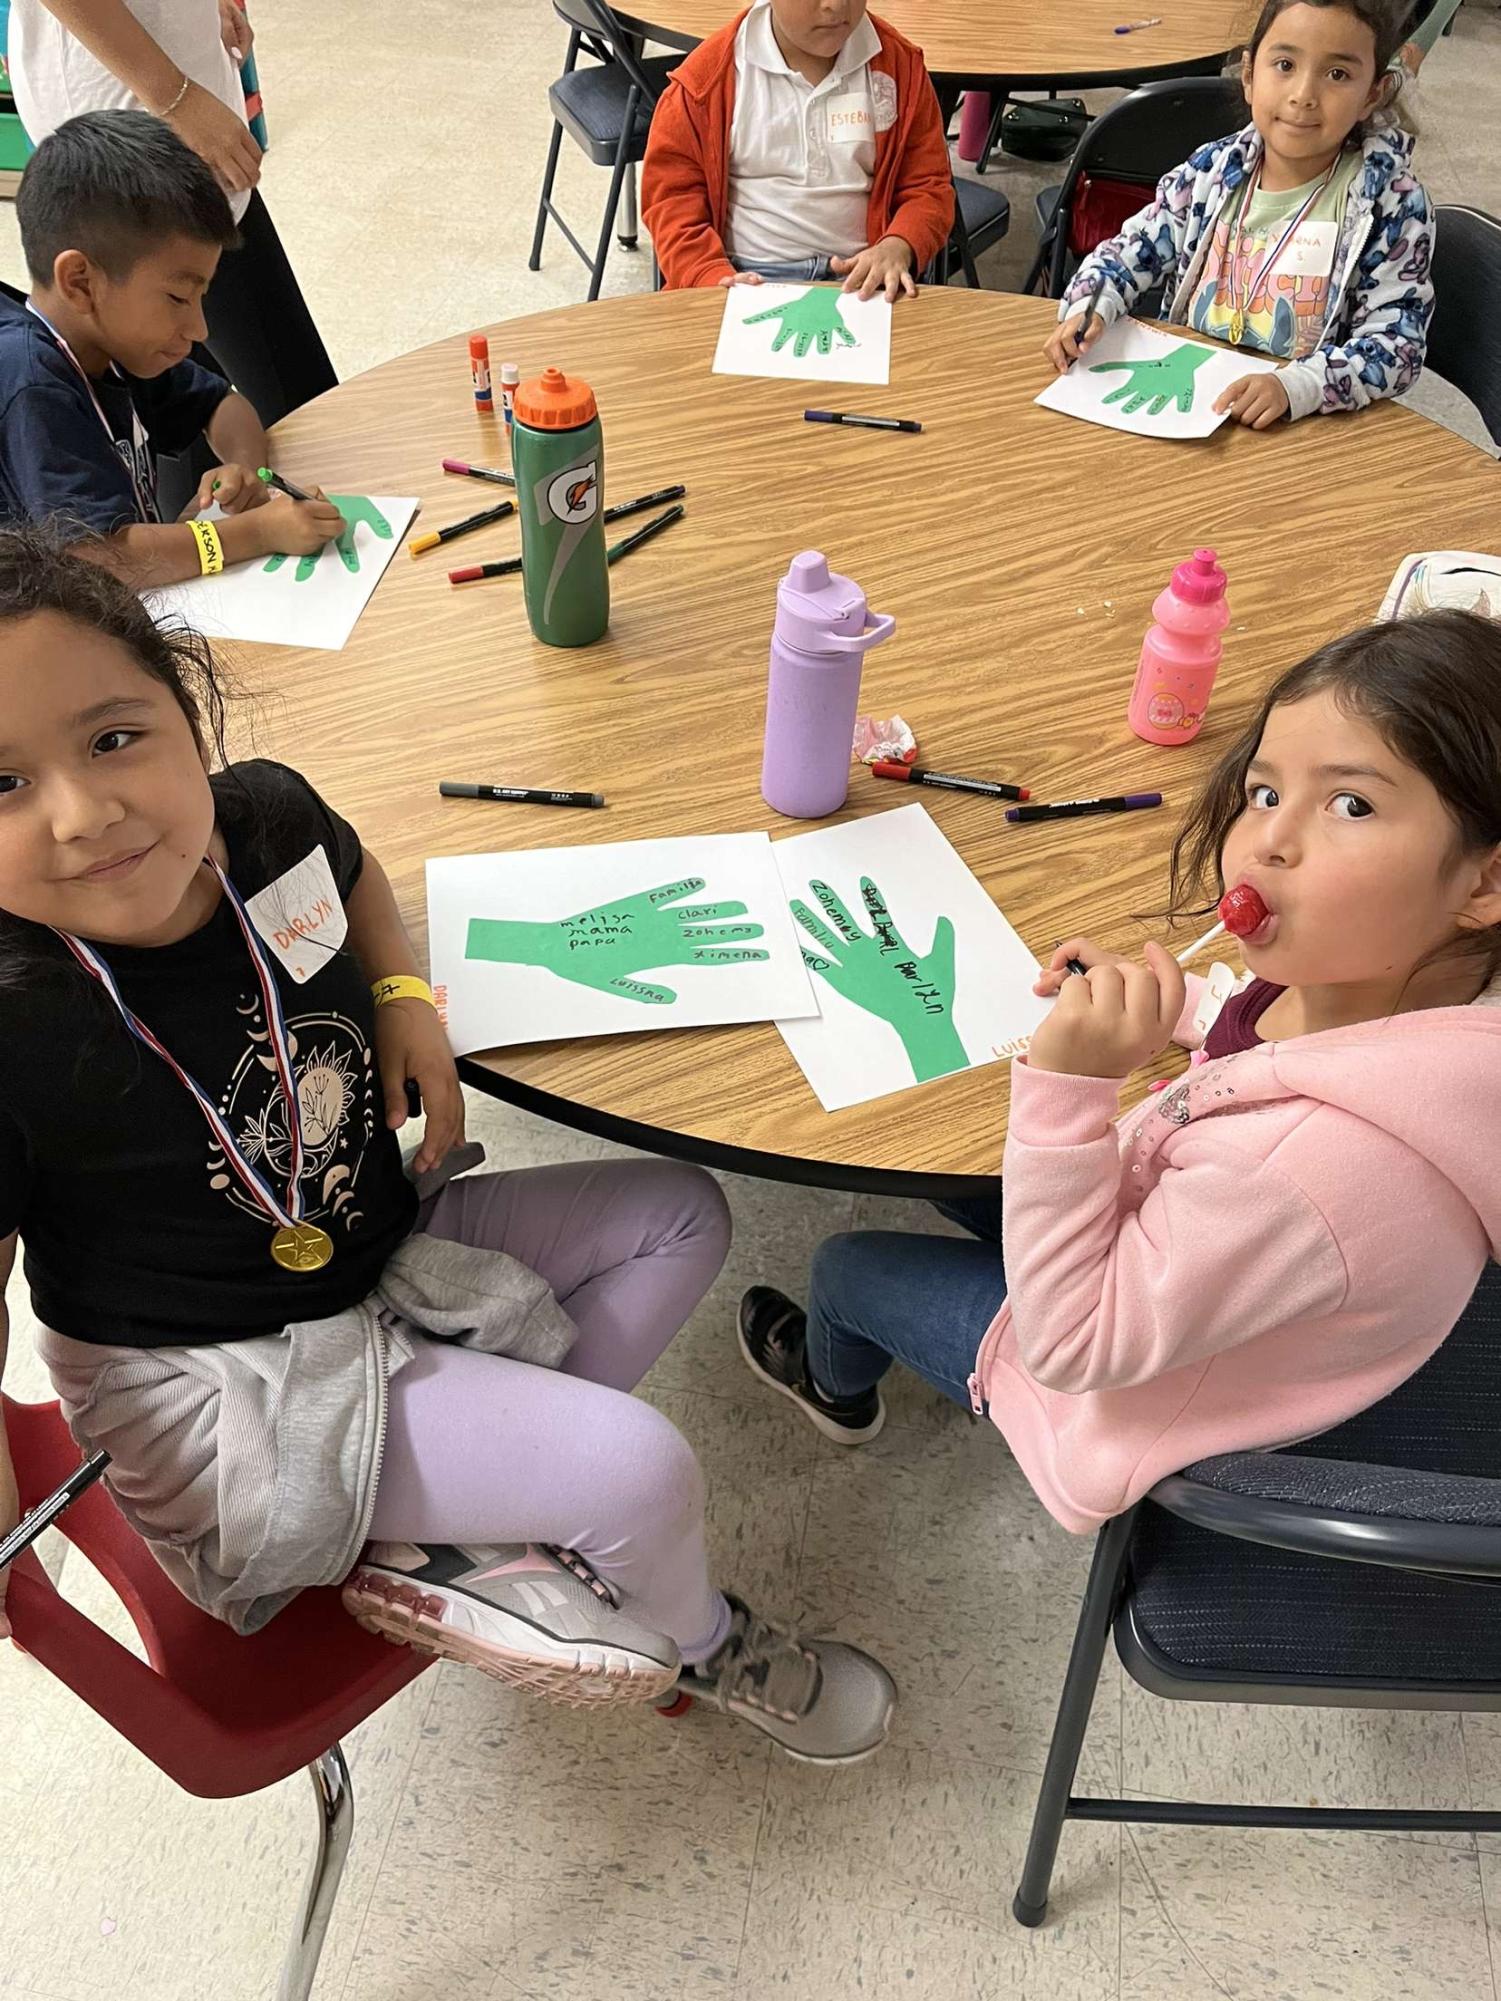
(1074, 809)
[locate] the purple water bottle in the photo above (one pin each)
(822, 633)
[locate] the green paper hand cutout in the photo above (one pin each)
(606, 947)
(814, 318)
(355, 508)
(883, 975)
(1155, 384)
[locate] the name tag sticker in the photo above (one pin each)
(849, 117)
(1219, 984)
(1309, 252)
(300, 916)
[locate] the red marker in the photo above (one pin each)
(912, 774)
(1243, 911)
(472, 572)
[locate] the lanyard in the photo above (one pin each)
(140, 444)
(297, 1245)
(1249, 290)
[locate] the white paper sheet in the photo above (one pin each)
(1133, 369)
(629, 935)
(1444, 579)
(297, 600)
(813, 333)
(945, 983)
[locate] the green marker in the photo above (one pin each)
(282, 485)
(557, 450)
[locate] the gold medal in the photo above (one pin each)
(1237, 327)
(302, 1247)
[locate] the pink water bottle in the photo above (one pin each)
(821, 636)
(1180, 653)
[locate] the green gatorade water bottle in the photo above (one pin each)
(558, 455)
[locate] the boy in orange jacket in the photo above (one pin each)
(803, 141)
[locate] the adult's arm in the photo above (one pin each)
(116, 39)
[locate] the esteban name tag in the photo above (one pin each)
(849, 117)
(300, 916)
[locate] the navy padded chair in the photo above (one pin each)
(1356, 1569)
(606, 109)
(1464, 336)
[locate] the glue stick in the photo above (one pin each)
(479, 371)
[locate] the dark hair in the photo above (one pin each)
(37, 574)
(115, 185)
(1430, 686)
(1388, 21)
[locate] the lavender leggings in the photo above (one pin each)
(481, 1449)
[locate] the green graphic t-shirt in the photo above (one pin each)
(1286, 310)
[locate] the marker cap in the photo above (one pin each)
(553, 401)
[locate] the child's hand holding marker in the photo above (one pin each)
(1114, 1018)
(233, 488)
(1076, 336)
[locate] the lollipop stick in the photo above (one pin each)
(1184, 958)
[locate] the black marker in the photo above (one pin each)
(1089, 313)
(644, 534)
(31, 1524)
(523, 795)
(863, 423)
(1073, 809)
(647, 500)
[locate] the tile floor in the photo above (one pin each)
(508, 1851)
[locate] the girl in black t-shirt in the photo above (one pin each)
(211, 1013)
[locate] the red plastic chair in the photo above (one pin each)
(219, 1714)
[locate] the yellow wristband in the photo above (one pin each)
(401, 986)
(210, 548)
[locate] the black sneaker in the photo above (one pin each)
(773, 1334)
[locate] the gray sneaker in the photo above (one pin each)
(824, 1702)
(523, 1612)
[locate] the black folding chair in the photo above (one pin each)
(1464, 336)
(1135, 142)
(982, 217)
(606, 109)
(1348, 1571)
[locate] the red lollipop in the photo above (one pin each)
(1242, 910)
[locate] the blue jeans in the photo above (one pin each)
(884, 1296)
(803, 271)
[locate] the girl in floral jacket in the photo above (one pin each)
(1304, 237)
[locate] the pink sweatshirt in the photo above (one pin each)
(1245, 1260)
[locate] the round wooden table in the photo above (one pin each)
(1028, 43)
(1020, 552)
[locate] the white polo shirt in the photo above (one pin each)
(802, 155)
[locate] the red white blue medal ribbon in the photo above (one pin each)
(286, 1214)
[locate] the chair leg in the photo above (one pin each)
(998, 104)
(629, 237)
(534, 262)
(1030, 1904)
(612, 200)
(330, 1777)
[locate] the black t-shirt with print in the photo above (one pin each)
(134, 1230)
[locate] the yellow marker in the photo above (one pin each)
(415, 548)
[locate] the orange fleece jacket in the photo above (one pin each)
(686, 177)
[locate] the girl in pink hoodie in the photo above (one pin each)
(1282, 1238)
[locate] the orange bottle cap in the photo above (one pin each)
(479, 347)
(553, 401)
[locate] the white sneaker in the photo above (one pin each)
(525, 1613)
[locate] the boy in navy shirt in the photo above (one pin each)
(122, 228)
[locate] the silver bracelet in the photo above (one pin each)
(187, 82)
